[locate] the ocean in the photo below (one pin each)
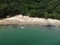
(29, 35)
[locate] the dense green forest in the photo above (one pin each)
(33, 8)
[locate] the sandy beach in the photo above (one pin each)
(26, 20)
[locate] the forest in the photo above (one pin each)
(33, 8)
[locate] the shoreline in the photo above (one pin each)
(26, 20)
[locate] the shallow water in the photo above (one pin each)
(29, 35)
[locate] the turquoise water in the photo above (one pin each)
(29, 35)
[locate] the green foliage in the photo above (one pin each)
(33, 8)
(57, 9)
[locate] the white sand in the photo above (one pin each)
(54, 22)
(22, 20)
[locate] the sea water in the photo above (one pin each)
(29, 35)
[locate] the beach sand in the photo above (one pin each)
(26, 20)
